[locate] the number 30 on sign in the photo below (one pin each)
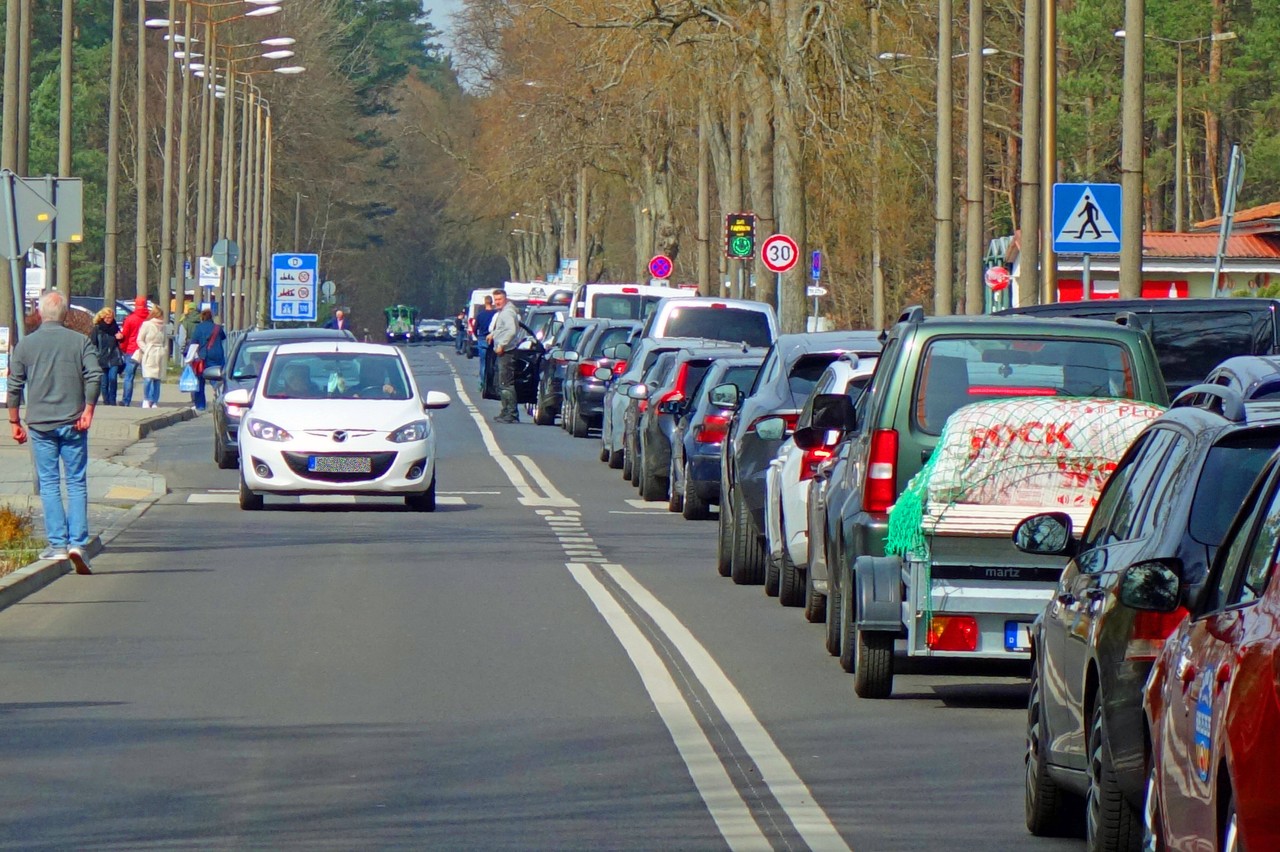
(779, 253)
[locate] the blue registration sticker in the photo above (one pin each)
(1017, 636)
(1204, 730)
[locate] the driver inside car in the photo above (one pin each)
(374, 382)
(298, 384)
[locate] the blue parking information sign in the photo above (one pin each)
(1086, 218)
(295, 282)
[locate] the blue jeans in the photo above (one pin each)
(482, 352)
(109, 386)
(56, 451)
(151, 390)
(130, 373)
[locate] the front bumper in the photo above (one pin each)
(390, 467)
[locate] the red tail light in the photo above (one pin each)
(881, 487)
(631, 289)
(953, 633)
(712, 429)
(813, 458)
(642, 406)
(587, 369)
(790, 419)
(1150, 630)
(619, 368)
(671, 396)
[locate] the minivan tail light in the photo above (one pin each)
(619, 368)
(631, 289)
(587, 369)
(712, 429)
(880, 489)
(1150, 630)
(813, 458)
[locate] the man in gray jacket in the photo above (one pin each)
(503, 334)
(58, 369)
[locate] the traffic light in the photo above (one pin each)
(739, 235)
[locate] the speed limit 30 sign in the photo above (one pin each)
(779, 253)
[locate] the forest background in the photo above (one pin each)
(419, 174)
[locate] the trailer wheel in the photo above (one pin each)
(873, 676)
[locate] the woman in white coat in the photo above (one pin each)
(153, 346)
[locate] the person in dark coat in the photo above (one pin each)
(209, 338)
(106, 341)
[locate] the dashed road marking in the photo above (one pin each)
(647, 504)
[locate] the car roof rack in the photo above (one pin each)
(1130, 319)
(1229, 401)
(913, 314)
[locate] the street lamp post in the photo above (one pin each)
(1179, 186)
(943, 236)
(974, 189)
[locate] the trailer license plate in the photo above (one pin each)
(1017, 636)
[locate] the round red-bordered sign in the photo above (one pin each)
(660, 266)
(997, 278)
(779, 253)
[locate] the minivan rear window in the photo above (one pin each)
(957, 371)
(1189, 345)
(711, 323)
(622, 306)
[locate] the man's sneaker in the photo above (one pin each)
(80, 559)
(53, 553)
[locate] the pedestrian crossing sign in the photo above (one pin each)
(1086, 218)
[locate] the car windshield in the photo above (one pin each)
(336, 375)
(572, 337)
(250, 357)
(712, 323)
(1228, 472)
(622, 306)
(958, 371)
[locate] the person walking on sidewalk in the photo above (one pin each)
(503, 334)
(105, 337)
(211, 353)
(57, 371)
(153, 344)
(129, 345)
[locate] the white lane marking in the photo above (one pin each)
(543, 482)
(730, 812)
(450, 501)
(469, 493)
(223, 491)
(212, 498)
(650, 513)
(327, 499)
(647, 504)
(808, 817)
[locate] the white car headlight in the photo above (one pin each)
(266, 431)
(415, 431)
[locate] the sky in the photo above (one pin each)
(440, 13)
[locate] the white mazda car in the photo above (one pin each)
(337, 418)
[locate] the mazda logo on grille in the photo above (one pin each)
(339, 436)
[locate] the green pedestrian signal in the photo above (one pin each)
(739, 235)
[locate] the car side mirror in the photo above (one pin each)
(771, 429)
(603, 374)
(240, 396)
(1154, 585)
(638, 391)
(213, 373)
(833, 411)
(621, 351)
(571, 356)
(1048, 534)
(726, 395)
(434, 400)
(812, 437)
(610, 352)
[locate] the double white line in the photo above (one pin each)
(730, 811)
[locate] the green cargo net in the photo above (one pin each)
(1047, 453)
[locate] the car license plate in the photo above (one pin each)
(340, 464)
(1017, 636)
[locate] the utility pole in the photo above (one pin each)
(1049, 158)
(974, 216)
(112, 224)
(1029, 193)
(580, 237)
(1131, 152)
(140, 170)
(9, 141)
(166, 181)
(704, 200)
(735, 180)
(181, 248)
(24, 86)
(877, 155)
(943, 235)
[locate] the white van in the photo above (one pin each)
(735, 320)
(617, 301)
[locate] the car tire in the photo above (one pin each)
(604, 453)
(224, 458)
(543, 416)
(616, 459)
(871, 651)
(748, 556)
(675, 496)
(1152, 816)
(1046, 803)
(791, 583)
(815, 603)
(652, 487)
(694, 508)
(1111, 824)
(724, 539)
(772, 574)
(833, 609)
(579, 427)
(424, 502)
(637, 466)
(249, 501)
(627, 462)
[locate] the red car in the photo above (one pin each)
(1213, 699)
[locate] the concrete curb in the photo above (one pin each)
(142, 428)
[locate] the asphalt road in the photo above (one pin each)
(539, 664)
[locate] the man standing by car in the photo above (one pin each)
(502, 336)
(338, 320)
(484, 320)
(58, 368)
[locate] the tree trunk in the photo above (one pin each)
(760, 177)
(789, 89)
(1212, 123)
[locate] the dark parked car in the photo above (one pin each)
(1189, 335)
(790, 370)
(1169, 501)
(657, 419)
(583, 390)
(564, 336)
(245, 355)
(699, 434)
(1255, 377)
(638, 395)
(641, 353)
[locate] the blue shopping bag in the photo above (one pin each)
(188, 383)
